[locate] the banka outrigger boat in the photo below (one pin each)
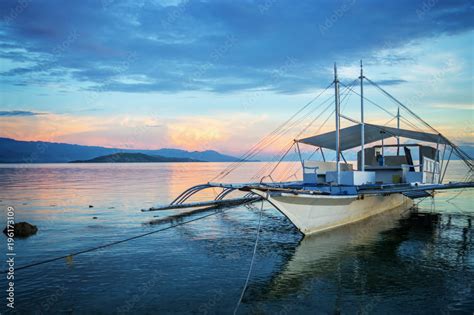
(333, 193)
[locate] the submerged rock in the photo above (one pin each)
(22, 229)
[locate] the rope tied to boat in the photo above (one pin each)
(69, 256)
(251, 261)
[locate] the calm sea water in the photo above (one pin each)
(400, 262)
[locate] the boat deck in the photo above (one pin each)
(325, 189)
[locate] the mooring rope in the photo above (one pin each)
(113, 243)
(252, 261)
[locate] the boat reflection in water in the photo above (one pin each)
(359, 267)
(317, 254)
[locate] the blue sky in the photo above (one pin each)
(220, 74)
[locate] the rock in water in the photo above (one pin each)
(23, 229)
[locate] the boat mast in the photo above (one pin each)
(362, 125)
(398, 127)
(338, 143)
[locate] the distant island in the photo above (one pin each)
(16, 151)
(134, 158)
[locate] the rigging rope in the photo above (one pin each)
(281, 159)
(291, 143)
(457, 150)
(288, 144)
(386, 111)
(467, 177)
(273, 137)
(368, 100)
(347, 95)
(249, 153)
(290, 123)
(401, 104)
(251, 261)
(401, 118)
(319, 129)
(286, 175)
(389, 121)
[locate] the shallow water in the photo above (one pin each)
(400, 262)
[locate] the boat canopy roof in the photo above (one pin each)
(351, 136)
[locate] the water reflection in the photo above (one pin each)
(393, 263)
(392, 255)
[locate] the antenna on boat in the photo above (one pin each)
(362, 125)
(338, 142)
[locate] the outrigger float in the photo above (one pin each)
(333, 194)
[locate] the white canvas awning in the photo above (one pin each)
(351, 136)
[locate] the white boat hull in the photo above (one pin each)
(317, 213)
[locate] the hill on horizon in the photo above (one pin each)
(134, 158)
(15, 151)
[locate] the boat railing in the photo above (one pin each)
(428, 172)
(431, 171)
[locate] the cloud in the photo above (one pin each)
(391, 82)
(14, 113)
(218, 46)
(469, 107)
(140, 132)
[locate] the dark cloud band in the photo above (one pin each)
(215, 46)
(18, 113)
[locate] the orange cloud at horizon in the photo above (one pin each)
(48, 127)
(232, 134)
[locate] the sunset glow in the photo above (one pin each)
(62, 82)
